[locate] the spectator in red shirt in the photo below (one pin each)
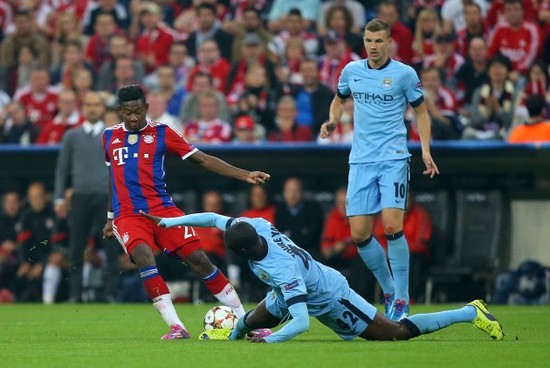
(495, 15)
(68, 117)
(517, 39)
(97, 50)
(260, 206)
(155, 39)
(39, 99)
(72, 60)
(337, 56)
(417, 227)
(209, 128)
(427, 30)
(401, 35)
(475, 27)
(211, 62)
(445, 58)
(287, 129)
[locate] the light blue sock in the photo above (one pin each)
(430, 322)
(373, 255)
(398, 252)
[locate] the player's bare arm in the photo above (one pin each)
(335, 114)
(152, 218)
(221, 167)
(424, 129)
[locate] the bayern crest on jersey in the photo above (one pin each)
(148, 138)
(132, 139)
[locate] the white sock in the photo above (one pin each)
(163, 304)
(229, 297)
(50, 283)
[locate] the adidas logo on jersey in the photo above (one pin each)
(116, 141)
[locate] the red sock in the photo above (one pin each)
(215, 282)
(153, 283)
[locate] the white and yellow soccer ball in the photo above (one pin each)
(220, 317)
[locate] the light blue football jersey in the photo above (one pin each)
(291, 271)
(380, 97)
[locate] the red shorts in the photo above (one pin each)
(134, 230)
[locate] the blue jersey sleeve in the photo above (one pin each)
(343, 90)
(291, 283)
(413, 88)
(206, 219)
(298, 324)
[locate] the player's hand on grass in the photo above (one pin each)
(108, 229)
(153, 218)
(431, 167)
(258, 177)
(327, 129)
(255, 339)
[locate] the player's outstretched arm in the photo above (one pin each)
(221, 167)
(335, 114)
(424, 129)
(297, 325)
(205, 219)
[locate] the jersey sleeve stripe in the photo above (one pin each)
(228, 223)
(341, 95)
(417, 102)
(296, 299)
(189, 153)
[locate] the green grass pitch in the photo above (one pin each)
(128, 336)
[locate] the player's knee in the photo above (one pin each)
(143, 256)
(199, 262)
(390, 229)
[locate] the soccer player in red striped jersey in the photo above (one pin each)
(134, 153)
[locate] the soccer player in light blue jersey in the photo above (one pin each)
(303, 287)
(378, 180)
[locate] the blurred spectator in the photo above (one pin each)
(341, 20)
(260, 204)
(426, 32)
(66, 29)
(445, 58)
(15, 127)
(452, 14)
(181, 62)
(350, 12)
(544, 21)
(537, 84)
(475, 27)
(72, 60)
(300, 219)
(155, 38)
(416, 6)
(97, 49)
(441, 104)
(332, 63)
(209, 128)
(80, 162)
(417, 227)
(528, 285)
(209, 28)
(124, 74)
(286, 127)
(472, 74)
(111, 117)
(35, 227)
(172, 92)
(39, 98)
(67, 117)
(281, 10)
(93, 13)
(83, 83)
(251, 23)
(22, 36)
(252, 53)
(401, 35)
(6, 18)
(313, 98)
(294, 55)
(517, 39)
(495, 15)
(536, 129)
(119, 47)
(211, 62)
(11, 206)
(4, 100)
(190, 108)
(493, 103)
(259, 97)
(293, 26)
(344, 128)
(26, 63)
(157, 111)
(247, 131)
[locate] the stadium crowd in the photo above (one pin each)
(248, 71)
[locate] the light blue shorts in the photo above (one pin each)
(348, 315)
(376, 185)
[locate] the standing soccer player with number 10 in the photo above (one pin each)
(378, 178)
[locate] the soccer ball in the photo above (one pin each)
(220, 317)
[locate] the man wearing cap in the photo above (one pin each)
(246, 130)
(155, 39)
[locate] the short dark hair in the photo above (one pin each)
(295, 11)
(377, 25)
(22, 13)
(240, 235)
(535, 104)
(130, 93)
(520, 2)
(207, 6)
(500, 59)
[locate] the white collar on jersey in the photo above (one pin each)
(94, 129)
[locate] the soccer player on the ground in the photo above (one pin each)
(135, 151)
(378, 178)
(303, 287)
